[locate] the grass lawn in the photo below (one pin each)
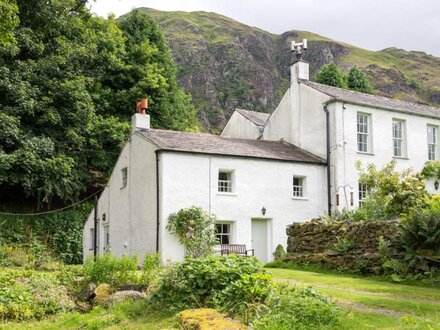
(126, 315)
(371, 303)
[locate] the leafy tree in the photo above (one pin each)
(67, 90)
(8, 21)
(357, 81)
(330, 75)
(195, 230)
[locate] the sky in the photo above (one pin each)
(370, 24)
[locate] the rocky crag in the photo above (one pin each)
(226, 64)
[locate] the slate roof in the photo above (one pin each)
(258, 118)
(217, 145)
(374, 100)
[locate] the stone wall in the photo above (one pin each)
(352, 246)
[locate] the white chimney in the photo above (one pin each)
(300, 68)
(140, 121)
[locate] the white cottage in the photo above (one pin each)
(263, 172)
(254, 187)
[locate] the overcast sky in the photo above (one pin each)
(371, 24)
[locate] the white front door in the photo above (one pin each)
(260, 239)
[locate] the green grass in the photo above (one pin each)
(373, 303)
(126, 315)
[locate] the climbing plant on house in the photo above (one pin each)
(195, 230)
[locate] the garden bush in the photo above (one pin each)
(112, 270)
(196, 282)
(58, 234)
(28, 294)
(245, 296)
(291, 308)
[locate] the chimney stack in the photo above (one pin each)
(300, 68)
(140, 121)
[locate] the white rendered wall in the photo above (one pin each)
(189, 179)
(239, 126)
(300, 119)
(344, 143)
(130, 211)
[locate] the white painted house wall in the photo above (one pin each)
(344, 147)
(239, 126)
(258, 183)
(130, 211)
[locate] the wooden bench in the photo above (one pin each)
(238, 249)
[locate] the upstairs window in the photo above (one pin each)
(399, 143)
(432, 142)
(225, 183)
(223, 233)
(124, 176)
(298, 187)
(363, 132)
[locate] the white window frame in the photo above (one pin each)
(433, 143)
(124, 177)
(299, 190)
(364, 133)
(362, 193)
(226, 186)
(230, 224)
(399, 142)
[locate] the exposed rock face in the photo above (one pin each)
(227, 65)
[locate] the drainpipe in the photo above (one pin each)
(329, 187)
(157, 201)
(95, 228)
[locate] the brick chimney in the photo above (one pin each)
(140, 121)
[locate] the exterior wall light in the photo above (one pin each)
(263, 211)
(436, 184)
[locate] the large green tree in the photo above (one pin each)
(357, 81)
(331, 75)
(8, 21)
(67, 89)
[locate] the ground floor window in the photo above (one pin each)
(92, 239)
(362, 193)
(223, 233)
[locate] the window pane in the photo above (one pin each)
(218, 228)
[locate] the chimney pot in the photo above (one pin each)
(142, 106)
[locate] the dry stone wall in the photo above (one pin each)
(352, 246)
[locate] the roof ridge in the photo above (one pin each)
(307, 82)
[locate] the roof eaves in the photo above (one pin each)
(241, 156)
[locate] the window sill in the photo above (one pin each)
(397, 157)
(300, 198)
(226, 194)
(366, 153)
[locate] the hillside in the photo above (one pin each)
(226, 64)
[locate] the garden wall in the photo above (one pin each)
(352, 246)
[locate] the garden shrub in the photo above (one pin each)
(245, 296)
(112, 270)
(195, 230)
(58, 234)
(296, 308)
(195, 282)
(151, 269)
(421, 231)
(280, 252)
(392, 193)
(27, 294)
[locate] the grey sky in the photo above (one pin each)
(371, 24)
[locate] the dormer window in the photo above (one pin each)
(225, 181)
